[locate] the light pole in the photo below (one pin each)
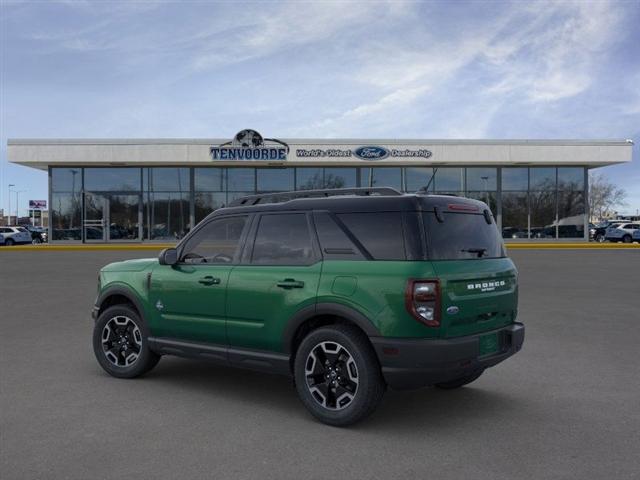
(18, 192)
(9, 211)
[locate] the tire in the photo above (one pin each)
(9, 242)
(459, 382)
(36, 241)
(128, 334)
(348, 351)
(599, 238)
(626, 239)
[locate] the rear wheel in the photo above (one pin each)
(626, 239)
(599, 238)
(9, 242)
(337, 375)
(36, 241)
(459, 382)
(120, 343)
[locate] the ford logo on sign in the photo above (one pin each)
(371, 153)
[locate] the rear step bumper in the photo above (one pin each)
(409, 363)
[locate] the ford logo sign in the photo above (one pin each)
(452, 310)
(371, 153)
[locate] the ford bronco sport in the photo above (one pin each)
(348, 291)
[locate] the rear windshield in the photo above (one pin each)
(462, 236)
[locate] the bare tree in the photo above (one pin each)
(604, 196)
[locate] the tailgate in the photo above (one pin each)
(477, 295)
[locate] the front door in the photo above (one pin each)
(189, 298)
(112, 217)
(278, 277)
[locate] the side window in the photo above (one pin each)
(380, 233)
(334, 242)
(217, 242)
(283, 239)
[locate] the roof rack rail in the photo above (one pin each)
(279, 197)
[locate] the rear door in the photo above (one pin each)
(278, 276)
(478, 282)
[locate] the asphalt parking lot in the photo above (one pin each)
(567, 406)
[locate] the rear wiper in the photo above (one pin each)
(479, 251)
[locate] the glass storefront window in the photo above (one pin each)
(166, 179)
(112, 179)
(340, 178)
(309, 178)
(383, 177)
(542, 178)
(167, 215)
(516, 179)
(449, 180)
(571, 178)
(571, 211)
(543, 214)
(483, 179)
(241, 179)
(66, 179)
(275, 179)
(515, 215)
(207, 202)
(418, 178)
(66, 218)
(209, 179)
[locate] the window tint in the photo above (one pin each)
(334, 242)
(380, 233)
(283, 240)
(462, 236)
(217, 242)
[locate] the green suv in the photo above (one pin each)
(348, 291)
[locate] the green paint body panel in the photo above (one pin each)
(246, 307)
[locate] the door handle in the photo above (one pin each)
(290, 283)
(209, 280)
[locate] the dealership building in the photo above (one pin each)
(132, 190)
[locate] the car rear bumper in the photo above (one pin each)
(415, 363)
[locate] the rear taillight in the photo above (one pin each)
(422, 299)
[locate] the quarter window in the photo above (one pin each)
(215, 243)
(283, 239)
(379, 233)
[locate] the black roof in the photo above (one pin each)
(348, 200)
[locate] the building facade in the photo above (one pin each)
(133, 190)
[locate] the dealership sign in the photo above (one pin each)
(250, 145)
(365, 152)
(38, 204)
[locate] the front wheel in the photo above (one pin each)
(459, 382)
(337, 375)
(9, 242)
(626, 239)
(120, 343)
(599, 238)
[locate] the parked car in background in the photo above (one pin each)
(622, 233)
(599, 231)
(15, 235)
(38, 234)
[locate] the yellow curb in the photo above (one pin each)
(568, 246)
(80, 247)
(160, 246)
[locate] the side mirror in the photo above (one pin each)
(168, 256)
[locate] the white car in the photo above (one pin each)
(622, 233)
(15, 235)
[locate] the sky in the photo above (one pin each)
(375, 69)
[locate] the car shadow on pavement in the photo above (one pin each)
(399, 410)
